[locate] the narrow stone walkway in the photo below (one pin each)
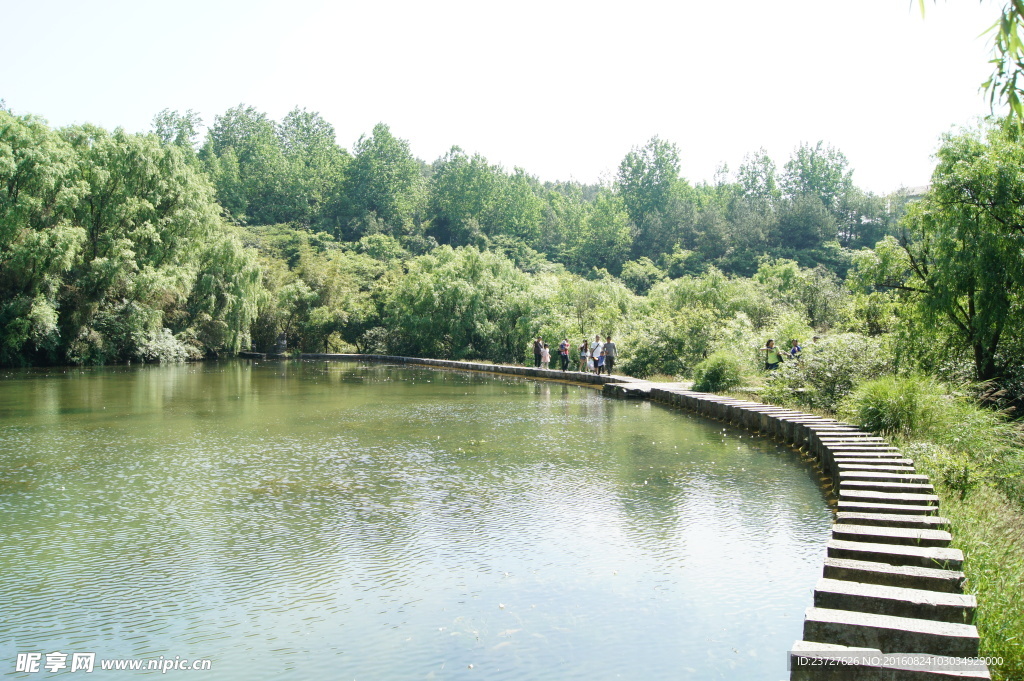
(890, 604)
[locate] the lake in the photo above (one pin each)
(319, 520)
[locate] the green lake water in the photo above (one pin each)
(349, 521)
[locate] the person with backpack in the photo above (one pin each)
(773, 357)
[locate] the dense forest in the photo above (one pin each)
(120, 247)
(162, 246)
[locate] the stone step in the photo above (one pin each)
(877, 485)
(795, 427)
(815, 437)
(810, 661)
(890, 634)
(937, 557)
(859, 442)
(864, 453)
(921, 522)
(838, 594)
(832, 461)
(884, 476)
(814, 433)
(855, 450)
(874, 464)
(807, 431)
(877, 458)
(891, 535)
(906, 576)
(846, 494)
(903, 509)
(853, 439)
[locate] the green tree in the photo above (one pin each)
(472, 202)
(757, 177)
(39, 242)
(819, 171)
(655, 197)
(587, 306)
(519, 207)
(963, 254)
(804, 223)
(316, 164)
(565, 212)
(602, 239)
(463, 194)
(384, 189)
(246, 162)
(461, 303)
(647, 178)
(225, 296)
(104, 240)
(640, 275)
(181, 129)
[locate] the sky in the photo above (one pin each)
(562, 89)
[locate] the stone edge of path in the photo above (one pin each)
(886, 580)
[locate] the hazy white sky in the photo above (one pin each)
(563, 89)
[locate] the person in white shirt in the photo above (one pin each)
(595, 350)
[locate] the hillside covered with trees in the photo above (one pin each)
(159, 246)
(120, 247)
(167, 246)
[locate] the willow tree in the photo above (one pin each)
(964, 246)
(39, 242)
(461, 303)
(104, 239)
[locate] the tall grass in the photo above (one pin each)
(990, 532)
(973, 444)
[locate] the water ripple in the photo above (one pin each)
(305, 521)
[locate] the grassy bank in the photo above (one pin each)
(989, 529)
(975, 458)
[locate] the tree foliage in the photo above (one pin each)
(384, 190)
(963, 245)
(461, 303)
(127, 247)
(105, 238)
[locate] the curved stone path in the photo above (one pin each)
(890, 604)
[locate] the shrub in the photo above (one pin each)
(954, 469)
(670, 345)
(957, 440)
(718, 373)
(897, 406)
(162, 346)
(827, 371)
(640, 275)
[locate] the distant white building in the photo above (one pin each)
(904, 195)
(913, 193)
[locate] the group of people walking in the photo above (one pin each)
(595, 356)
